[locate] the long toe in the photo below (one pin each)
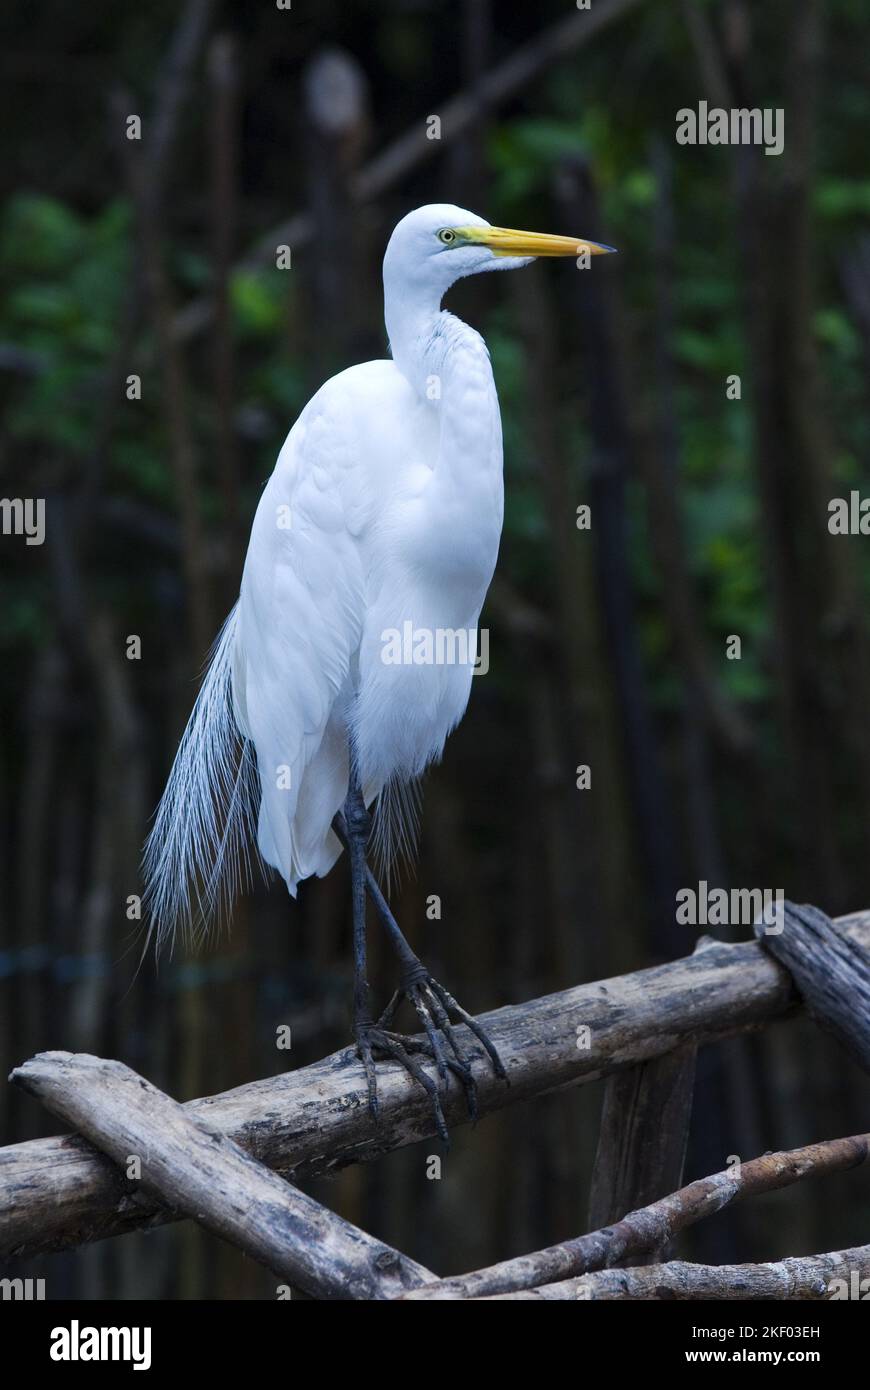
(453, 1007)
(364, 1052)
(456, 1066)
(420, 997)
(442, 1044)
(393, 1047)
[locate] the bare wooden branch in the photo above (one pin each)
(644, 1131)
(643, 1136)
(810, 1277)
(195, 1169)
(58, 1192)
(832, 972)
(653, 1226)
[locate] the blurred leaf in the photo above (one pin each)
(835, 198)
(256, 305)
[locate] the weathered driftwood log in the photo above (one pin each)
(196, 1170)
(58, 1192)
(810, 1277)
(831, 969)
(653, 1226)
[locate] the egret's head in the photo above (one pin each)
(438, 244)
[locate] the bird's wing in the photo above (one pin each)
(301, 611)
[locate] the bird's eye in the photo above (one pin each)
(447, 236)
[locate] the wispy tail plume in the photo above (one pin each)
(199, 850)
(396, 829)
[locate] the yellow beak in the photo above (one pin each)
(504, 241)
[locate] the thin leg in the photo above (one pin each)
(413, 971)
(431, 1002)
(358, 824)
(355, 825)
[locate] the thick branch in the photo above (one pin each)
(652, 1227)
(195, 1169)
(644, 1132)
(832, 971)
(810, 1277)
(58, 1192)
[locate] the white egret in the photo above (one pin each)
(383, 515)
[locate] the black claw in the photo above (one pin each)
(415, 994)
(373, 1038)
(433, 1005)
(456, 1067)
(462, 1066)
(469, 1086)
(480, 1033)
(397, 1050)
(364, 1050)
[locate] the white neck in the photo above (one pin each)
(411, 317)
(448, 365)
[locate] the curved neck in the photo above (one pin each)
(412, 318)
(447, 364)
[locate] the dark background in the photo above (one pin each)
(607, 647)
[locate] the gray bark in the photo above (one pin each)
(808, 1278)
(58, 1192)
(196, 1170)
(831, 969)
(651, 1227)
(643, 1137)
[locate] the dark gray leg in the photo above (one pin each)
(430, 1000)
(358, 824)
(353, 826)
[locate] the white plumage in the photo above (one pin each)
(384, 508)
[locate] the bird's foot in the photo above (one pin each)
(374, 1043)
(442, 1045)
